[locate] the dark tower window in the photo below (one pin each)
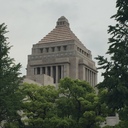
(41, 50)
(38, 70)
(78, 49)
(58, 48)
(65, 48)
(59, 73)
(47, 49)
(53, 49)
(54, 73)
(43, 70)
(49, 71)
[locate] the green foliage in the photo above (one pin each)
(122, 124)
(79, 103)
(116, 68)
(9, 81)
(73, 105)
(38, 104)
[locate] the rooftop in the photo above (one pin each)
(61, 32)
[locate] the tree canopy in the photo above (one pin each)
(38, 105)
(80, 104)
(9, 81)
(116, 67)
(73, 105)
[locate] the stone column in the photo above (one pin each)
(66, 70)
(89, 75)
(95, 79)
(56, 74)
(51, 71)
(62, 71)
(92, 79)
(46, 70)
(41, 70)
(81, 72)
(85, 73)
(35, 71)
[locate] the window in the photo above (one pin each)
(47, 49)
(78, 49)
(65, 48)
(41, 50)
(54, 73)
(49, 71)
(58, 48)
(53, 49)
(43, 70)
(59, 72)
(38, 70)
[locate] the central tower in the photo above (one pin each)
(61, 54)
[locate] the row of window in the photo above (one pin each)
(60, 23)
(53, 49)
(82, 51)
(54, 71)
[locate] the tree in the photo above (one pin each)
(116, 68)
(73, 105)
(78, 105)
(9, 81)
(38, 105)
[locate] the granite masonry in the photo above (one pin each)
(61, 54)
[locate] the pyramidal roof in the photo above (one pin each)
(61, 32)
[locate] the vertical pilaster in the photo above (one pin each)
(46, 70)
(57, 74)
(88, 74)
(81, 72)
(66, 70)
(51, 71)
(62, 71)
(95, 78)
(85, 73)
(92, 79)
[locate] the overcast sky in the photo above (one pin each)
(29, 21)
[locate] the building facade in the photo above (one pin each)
(61, 54)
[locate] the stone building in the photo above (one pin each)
(61, 54)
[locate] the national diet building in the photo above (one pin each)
(60, 54)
